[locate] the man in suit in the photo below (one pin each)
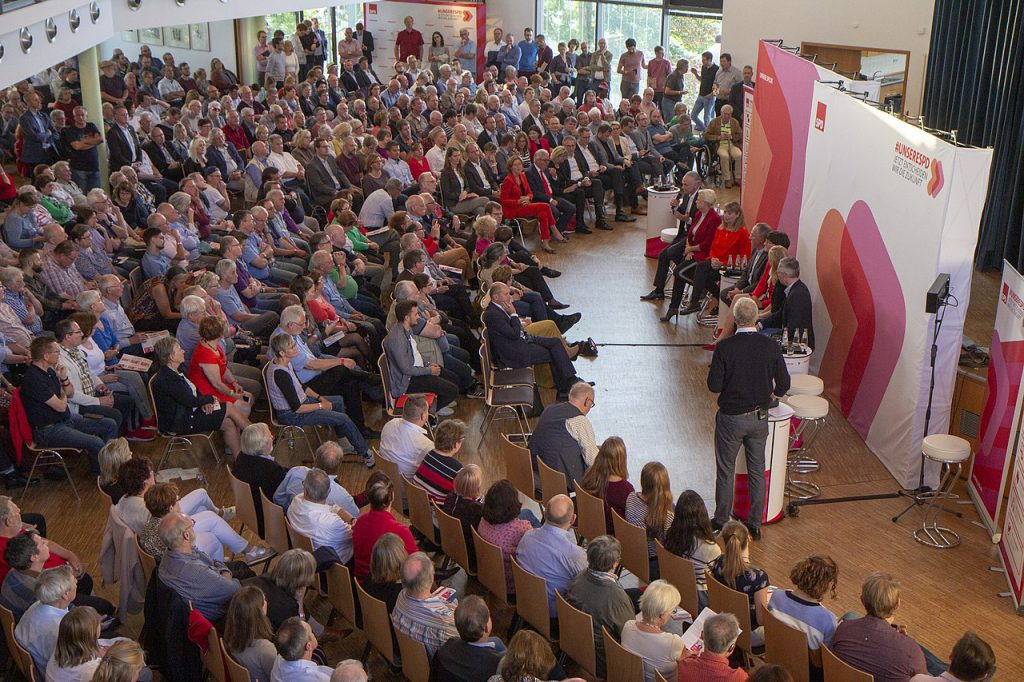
(534, 120)
(408, 372)
(163, 157)
(795, 314)
(122, 141)
(513, 347)
(489, 133)
(478, 180)
(38, 133)
(576, 174)
(622, 175)
(685, 211)
(323, 177)
(365, 38)
(755, 266)
(348, 77)
(255, 465)
(541, 185)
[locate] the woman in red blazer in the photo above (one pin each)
(517, 202)
(698, 246)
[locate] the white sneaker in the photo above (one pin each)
(445, 412)
(227, 513)
(258, 554)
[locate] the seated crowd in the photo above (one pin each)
(321, 243)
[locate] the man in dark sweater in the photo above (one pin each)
(564, 437)
(475, 654)
(747, 369)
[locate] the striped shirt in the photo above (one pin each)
(436, 475)
(430, 620)
(814, 620)
(636, 513)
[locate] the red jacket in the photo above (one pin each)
(236, 136)
(513, 189)
(367, 530)
(702, 234)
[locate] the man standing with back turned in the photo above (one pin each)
(747, 369)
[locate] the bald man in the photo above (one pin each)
(550, 551)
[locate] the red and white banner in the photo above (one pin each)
(1000, 420)
(1011, 544)
(386, 19)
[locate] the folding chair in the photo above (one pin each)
(286, 430)
(516, 398)
(245, 507)
(376, 626)
(837, 670)
(786, 646)
(518, 467)
(576, 635)
(393, 406)
(633, 539)
(22, 658)
(591, 520)
(724, 599)
(681, 574)
(147, 560)
(453, 540)
(552, 482)
(46, 456)
(275, 529)
(419, 508)
(490, 564)
(236, 671)
(532, 600)
(180, 442)
(621, 664)
(415, 662)
(339, 593)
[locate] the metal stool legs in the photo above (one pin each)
(799, 463)
(931, 533)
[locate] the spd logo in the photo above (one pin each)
(819, 117)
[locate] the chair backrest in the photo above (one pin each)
(392, 472)
(213, 659)
(152, 405)
(590, 517)
(453, 540)
(104, 494)
(419, 507)
(519, 467)
(135, 280)
(837, 670)
(787, 646)
(633, 539)
(658, 677)
(297, 539)
(490, 566)
(236, 671)
(339, 592)
(376, 624)
(680, 573)
(385, 377)
(415, 662)
(147, 560)
(22, 658)
(552, 482)
(245, 508)
(532, 599)
(621, 664)
(576, 635)
(266, 391)
(724, 599)
(274, 527)
(485, 370)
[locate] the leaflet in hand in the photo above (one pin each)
(334, 338)
(150, 339)
(379, 230)
(134, 363)
(693, 638)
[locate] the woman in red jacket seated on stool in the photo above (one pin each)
(731, 243)
(517, 202)
(703, 229)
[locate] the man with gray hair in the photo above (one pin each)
(564, 437)
(324, 524)
(720, 633)
(260, 324)
(596, 591)
(255, 466)
(685, 209)
(328, 458)
(420, 613)
(295, 643)
(551, 552)
(795, 316)
(349, 670)
(190, 572)
(747, 371)
(542, 183)
(37, 630)
(379, 205)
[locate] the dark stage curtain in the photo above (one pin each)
(975, 85)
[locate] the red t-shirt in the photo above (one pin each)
(367, 530)
(322, 310)
(203, 355)
(418, 167)
(410, 42)
(54, 560)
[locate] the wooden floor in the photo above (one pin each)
(651, 391)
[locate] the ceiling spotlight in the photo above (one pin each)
(94, 11)
(25, 39)
(51, 29)
(74, 21)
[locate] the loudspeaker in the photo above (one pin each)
(937, 294)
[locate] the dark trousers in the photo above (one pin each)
(684, 273)
(341, 381)
(751, 432)
(579, 199)
(596, 192)
(262, 325)
(564, 210)
(671, 254)
(615, 178)
(704, 276)
(548, 350)
(532, 278)
(445, 386)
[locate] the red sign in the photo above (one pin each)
(819, 117)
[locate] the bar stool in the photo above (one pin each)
(949, 452)
(805, 384)
(811, 410)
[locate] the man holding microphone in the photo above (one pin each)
(747, 371)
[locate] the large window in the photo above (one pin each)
(621, 22)
(565, 19)
(282, 21)
(689, 36)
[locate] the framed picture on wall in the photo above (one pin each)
(199, 34)
(130, 36)
(177, 36)
(150, 36)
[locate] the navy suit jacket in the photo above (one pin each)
(795, 313)
(537, 187)
(508, 342)
(215, 157)
(40, 138)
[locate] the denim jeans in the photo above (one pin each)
(79, 432)
(86, 180)
(705, 105)
(336, 417)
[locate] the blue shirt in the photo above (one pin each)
(292, 486)
(509, 56)
(548, 552)
(19, 230)
(196, 578)
(528, 55)
(334, 297)
(469, 64)
(92, 262)
(662, 147)
(154, 266)
(117, 321)
(230, 302)
(189, 240)
(300, 360)
(377, 208)
(250, 252)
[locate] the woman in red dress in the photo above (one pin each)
(703, 228)
(208, 368)
(517, 202)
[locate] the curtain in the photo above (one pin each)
(975, 85)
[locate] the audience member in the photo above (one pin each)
(295, 643)
(608, 478)
(193, 575)
(550, 552)
(38, 628)
(439, 467)
(651, 509)
(801, 607)
(734, 569)
(720, 634)
(310, 515)
(971, 660)
(475, 654)
(248, 635)
(385, 579)
(421, 613)
(564, 437)
(691, 536)
(377, 521)
(404, 440)
(327, 458)
(644, 635)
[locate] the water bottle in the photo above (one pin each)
(786, 347)
(729, 264)
(804, 342)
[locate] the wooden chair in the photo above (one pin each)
(22, 658)
(339, 593)
(135, 280)
(391, 470)
(453, 540)
(415, 662)
(838, 671)
(658, 677)
(245, 508)
(147, 560)
(532, 599)
(724, 599)
(786, 646)
(681, 574)
(590, 517)
(576, 635)
(376, 626)
(419, 509)
(633, 539)
(236, 671)
(621, 664)
(103, 493)
(179, 442)
(490, 566)
(275, 529)
(552, 482)
(519, 467)
(42, 456)
(288, 431)
(213, 659)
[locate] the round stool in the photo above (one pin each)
(805, 384)
(949, 452)
(811, 410)
(669, 234)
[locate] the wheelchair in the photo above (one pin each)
(708, 164)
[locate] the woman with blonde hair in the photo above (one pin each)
(248, 637)
(196, 161)
(123, 662)
(644, 635)
(284, 587)
(651, 508)
(78, 649)
(302, 147)
(464, 502)
(733, 569)
(608, 478)
(112, 455)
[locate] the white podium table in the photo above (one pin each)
(799, 361)
(776, 450)
(725, 282)
(659, 217)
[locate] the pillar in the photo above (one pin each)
(245, 38)
(89, 75)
